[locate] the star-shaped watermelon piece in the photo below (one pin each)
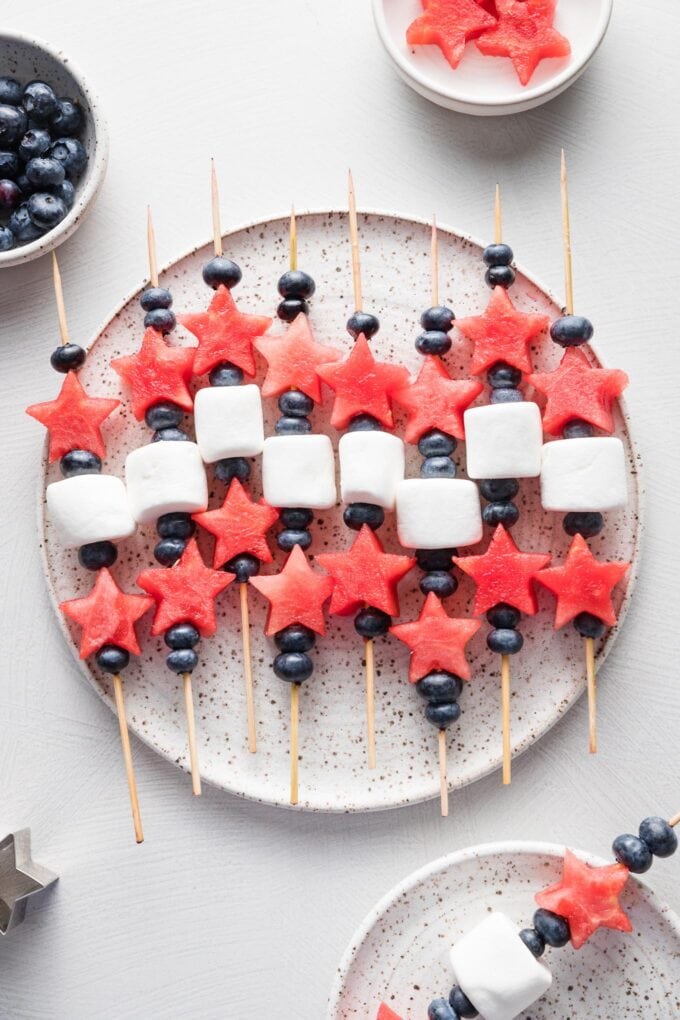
(107, 616)
(436, 401)
(449, 24)
(224, 333)
(588, 898)
(156, 373)
(292, 360)
(239, 526)
(365, 575)
(576, 389)
(583, 584)
(296, 594)
(502, 333)
(385, 1013)
(436, 640)
(363, 385)
(185, 593)
(73, 420)
(504, 574)
(524, 33)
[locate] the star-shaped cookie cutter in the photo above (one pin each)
(23, 883)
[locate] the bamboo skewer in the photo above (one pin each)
(151, 245)
(215, 196)
(675, 820)
(434, 254)
(293, 240)
(127, 756)
(59, 295)
(294, 741)
(443, 778)
(354, 237)
(497, 219)
(248, 668)
(370, 702)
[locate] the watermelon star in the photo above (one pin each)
(436, 640)
(436, 401)
(503, 574)
(239, 526)
(525, 33)
(363, 385)
(365, 575)
(156, 373)
(293, 359)
(185, 593)
(224, 333)
(502, 333)
(583, 585)
(107, 616)
(295, 595)
(73, 420)
(385, 1013)
(449, 24)
(575, 389)
(588, 898)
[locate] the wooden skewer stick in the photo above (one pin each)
(370, 702)
(127, 756)
(354, 237)
(443, 778)
(59, 295)
(215, 194)
(434, 249)
(191, 732)
(294, 741)
(592, 693)
(675, 820)
(293, 240)
(497, 220)
(505, 709)
(248, 668)
(151, 245)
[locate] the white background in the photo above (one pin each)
(231, 910)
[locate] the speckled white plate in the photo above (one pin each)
(547, 675)
(399, 955)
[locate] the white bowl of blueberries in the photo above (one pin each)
(53, 148)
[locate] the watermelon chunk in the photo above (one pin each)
(524, 33)
(385, 1013)
(449, 24)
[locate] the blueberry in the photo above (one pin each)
(571, 331)
(112, 658)
(295, 638)
(503, 616)
(586, 523)
(232, 467)
(363, 322)
(45, 171)
(10, 91)
(659, 836)
(39, 101)
(67, 119)
(438, 318)
(181, 635)
(168, 551)
(433, 341)
(182, 660)
(439, 1009)
(442, 714)
(46, 210)
(9, 165)
(155, 297)
(633, 852)
(34, 143)
(67, 358)
(295, 404)
(504, 642)
(589, 626)
(296, 517)
(290, 537)
(243, 566)
(500, 276)
(436, 444)
(372, 623)
(440, 687)
(553, 929)
(296, 284)
(461, 1004)
(355, 515)
(170, 435)
(6, 239)
(161, 319)
(80, 462)
(500, 513)
(164, 415)
(72, 156)
(10, 194)
(577, 429)
(435, 559)
(509, 395)
(22, 226)
(24, 184)
(96, 555)
(287, 426)
(499, 490)
(175, 525)
(438, 467)
(290, 308)
(440, 582)
(226, 374)
(13, 124)
(221, 272)
(294, 667)
(534, 942)
(66, 192)
(364, 423)
(498, 255)
(503, 376)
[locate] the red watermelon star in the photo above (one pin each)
(239, 526)
(295, 595)
(156, 373)
(436, 640)
(575, 389)
(503, 574)
(436, 401)
(224, 333)
(107, 616)
(524, 33)
(293, 359)
(502, 333)
(583, 585)
(363, 385)
(73, 420)
(185, 593)
(365, 575)
(448, 24)
(587, 897)
(385, 1013)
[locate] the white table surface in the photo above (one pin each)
(230, 909)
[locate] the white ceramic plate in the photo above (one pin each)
(488, 86)
(547, 675)
(399, 955)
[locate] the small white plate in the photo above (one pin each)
(399, 955)
(489, 86)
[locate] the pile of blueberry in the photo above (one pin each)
(41, 159)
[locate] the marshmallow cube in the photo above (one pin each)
(228, 422)
(165, 477)
(584, 474)
(438, 513)
(299, 471)
(371, 467)
(89, 508)
(504, 440)
(499, 975)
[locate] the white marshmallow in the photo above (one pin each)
(228, 422)
(584, 474)
(165, 477)
(89, 508)
(499, 975)
(438, 513)
(504, 440)
(299, 471)
(371, 467)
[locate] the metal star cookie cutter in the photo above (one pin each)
(23, 883)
